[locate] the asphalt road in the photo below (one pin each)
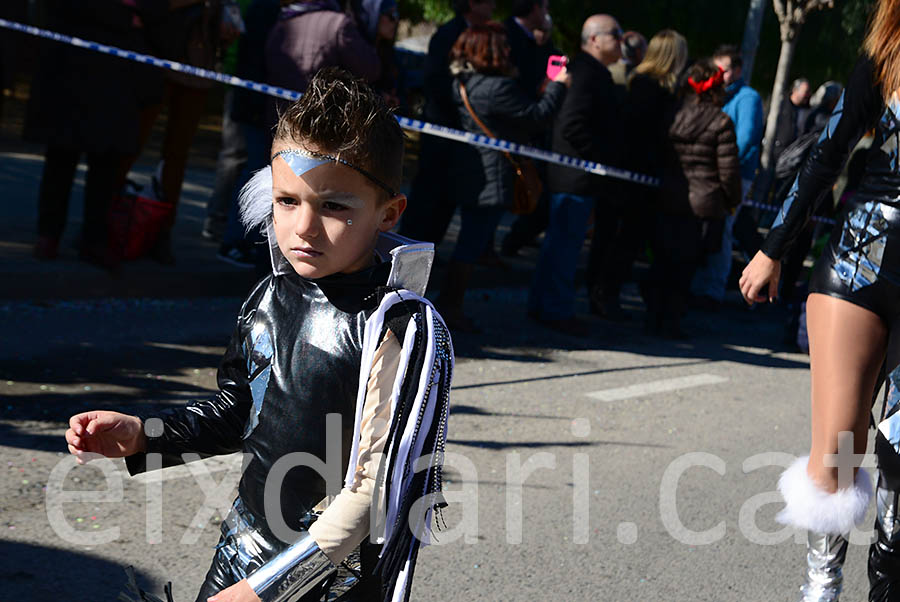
(627, 448)
(622, 484)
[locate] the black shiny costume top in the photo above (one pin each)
(859, 109)
(861, 263)
(295, 352)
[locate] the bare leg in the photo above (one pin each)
(846, 348)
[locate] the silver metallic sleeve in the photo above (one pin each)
(293, 573)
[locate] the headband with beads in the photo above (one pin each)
(301, 161)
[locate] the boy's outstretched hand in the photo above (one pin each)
(110, 434)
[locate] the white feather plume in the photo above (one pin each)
(255, 200)
(808, 507)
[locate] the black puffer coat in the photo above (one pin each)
(702, 172)
(483, 176)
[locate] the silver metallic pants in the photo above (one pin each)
(243, 548)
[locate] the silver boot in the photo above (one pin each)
(825, 517)
(824, 567)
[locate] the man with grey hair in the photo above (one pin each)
(800, 91)
(794, 111)
(634, 47)
(800, 98)
(588, 126)
(821, 104)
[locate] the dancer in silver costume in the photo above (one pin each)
(339, 329)
(853, 319)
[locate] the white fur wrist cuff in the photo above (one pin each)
(808, 507)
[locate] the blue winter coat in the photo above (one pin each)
(745, 108)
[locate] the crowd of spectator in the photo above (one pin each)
(645, 106)
(629, 103)
(619, 100)
(110, 106)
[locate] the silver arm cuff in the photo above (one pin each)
(293, 573)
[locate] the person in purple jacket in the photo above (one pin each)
(310, 36)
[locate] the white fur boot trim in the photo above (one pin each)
(808, 507)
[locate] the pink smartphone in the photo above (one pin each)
(555, 64)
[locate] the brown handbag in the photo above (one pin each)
(528, 186)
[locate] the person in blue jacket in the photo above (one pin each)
(745, 108)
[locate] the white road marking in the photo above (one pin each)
(657, 386)
(750, 350)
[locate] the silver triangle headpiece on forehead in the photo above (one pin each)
(301, 161)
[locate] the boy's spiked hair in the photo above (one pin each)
(341, 115)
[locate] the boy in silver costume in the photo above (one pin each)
(338, 329)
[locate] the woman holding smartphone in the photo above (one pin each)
(485, 91)
(853, 314)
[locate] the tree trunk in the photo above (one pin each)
(752, 29)
(788, 47)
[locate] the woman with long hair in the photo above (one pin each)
(701, 184)
(666, 57)
(648, 111)
(852, 318)
(487, 95)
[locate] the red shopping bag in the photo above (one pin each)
(135, 222)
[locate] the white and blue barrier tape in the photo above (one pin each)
(774, 209)
(526, 151)
(151, 60)
(430, 129)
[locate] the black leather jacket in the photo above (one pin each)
(589, 126)
(294, 357)
(860, 109)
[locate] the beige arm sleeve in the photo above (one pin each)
(345, 523)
